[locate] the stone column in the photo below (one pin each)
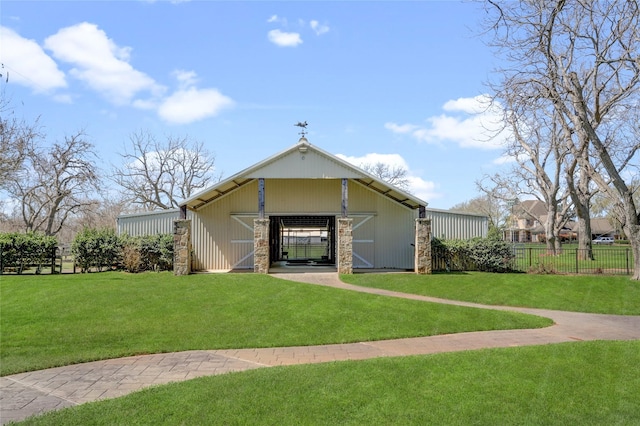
(261, 246)
(345, 245)
(423, 246)
(181, 247)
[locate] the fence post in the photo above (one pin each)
(577, 261)
(53, 260)
(1, 256)
(530, 259)
(627, 254)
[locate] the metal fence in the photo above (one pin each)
(598, 260)
(307, 250)
(570, 260)
(58, 261)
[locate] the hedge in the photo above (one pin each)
(20, 251)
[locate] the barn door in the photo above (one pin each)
(242, 242)
(363, 243)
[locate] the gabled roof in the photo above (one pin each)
(530, 209)
(301, 161)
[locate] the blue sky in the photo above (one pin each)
(398, 82)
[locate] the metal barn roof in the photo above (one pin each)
(301, 161)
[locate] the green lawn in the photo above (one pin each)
(58, 320)
(73, 317)
(614, 259)
(586, 293)
(586, 383)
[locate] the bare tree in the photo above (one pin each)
(580, 58)
(394, 175)
(537, 149)
(55, 184)
(490, 205)
(578, 177)
(16, 138)
(158, 175)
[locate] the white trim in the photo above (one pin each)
(249, 227)
(362, 222)
(243, 259)
(366, 263)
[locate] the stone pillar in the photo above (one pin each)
(345, 245)
(261, 246)
(181, 247)
(423, 246)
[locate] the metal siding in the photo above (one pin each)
(305, 196)
(391, 230)
(217, 236)
(394, 229)
(150, 223)
(309, 165)
(458, 226)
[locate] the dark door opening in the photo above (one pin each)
(303, 239)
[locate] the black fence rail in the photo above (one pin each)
(58, 260)
(598, 260)
(570, 260)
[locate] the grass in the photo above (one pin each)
(56, 320)
(596, 294)
(586, 383)
(606, 259)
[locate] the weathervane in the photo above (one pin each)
(303, 126)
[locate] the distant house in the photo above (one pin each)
(526, 222)
(602, 227)
(527, 225)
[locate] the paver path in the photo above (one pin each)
(26, 394)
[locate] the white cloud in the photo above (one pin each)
(284, 39)
(28, 65)
(504, 159)
(425, 190)
(475, 105)
(276, 18)
(186, 78)
(404, 128)
(318, 28)
(393, 160)
(189, 103)
(468, 122)
(100, 63)
(104, 67)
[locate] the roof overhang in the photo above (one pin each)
(340, 169)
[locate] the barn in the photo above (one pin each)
(302, 206)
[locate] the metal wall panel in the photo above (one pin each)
(305, 196)
(222, 239)
(393, 232)
(148, 223)
(308, 165)
(221, 242)
(457, 226)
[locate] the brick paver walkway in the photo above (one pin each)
(26, 394)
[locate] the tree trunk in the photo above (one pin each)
(581, 198)
(549, 230)
(585, 251)
(633, 232)
(558, 246)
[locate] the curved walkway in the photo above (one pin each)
(26, 394)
